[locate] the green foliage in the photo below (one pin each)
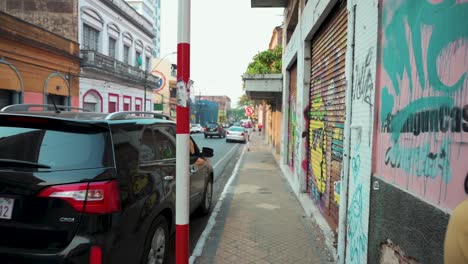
(265, 62)
(243, 100)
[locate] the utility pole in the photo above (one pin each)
(144, 88)
(183, 131)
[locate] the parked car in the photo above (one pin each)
(214, 129)
(80, 187)
(196, 128)
(236, 133)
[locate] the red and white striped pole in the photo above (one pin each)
(183, 131)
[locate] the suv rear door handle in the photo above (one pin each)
(168, 178)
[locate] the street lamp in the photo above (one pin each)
(159, 62)
(146, 74)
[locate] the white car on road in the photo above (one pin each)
(236, 133)
(196, 128)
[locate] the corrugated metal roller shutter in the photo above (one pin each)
(327, 112)
(292, 122)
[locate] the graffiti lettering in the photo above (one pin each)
(364, 85)
(421, 161)
(317, 112)
(357, 238)
(444, 119)
(443, 19)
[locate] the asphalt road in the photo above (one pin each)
(224, 161)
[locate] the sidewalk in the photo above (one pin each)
(260, 220)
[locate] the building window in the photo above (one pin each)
(6, 98)
(112, 50)
(90, 38)
(137, 59)
(173, 93)
(57, 99)
(126, 57)
(92, 101)
(112, 107)
(147, 63)
(126, 106)
(138, 104)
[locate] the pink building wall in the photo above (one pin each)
(33, 98)
(422, 99)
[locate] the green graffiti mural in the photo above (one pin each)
(448, 23)
(387, 104)
(317, 111)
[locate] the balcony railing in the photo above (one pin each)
(99, 61)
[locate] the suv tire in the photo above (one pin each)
(207, 200)
(157, 243)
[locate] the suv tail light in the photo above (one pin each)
(227, 132)
(242, 134)
(91, 198)
(95, 256)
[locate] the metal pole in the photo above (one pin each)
(344, 194)
(144, 87)
(183, 129)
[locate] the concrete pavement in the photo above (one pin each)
(259, 219)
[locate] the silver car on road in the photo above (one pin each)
(236, 133)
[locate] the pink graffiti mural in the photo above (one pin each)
(423, 105)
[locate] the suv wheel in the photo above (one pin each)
(207, 198)
(157, 243)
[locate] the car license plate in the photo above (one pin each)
(6, 207)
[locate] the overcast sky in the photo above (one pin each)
(225, 35)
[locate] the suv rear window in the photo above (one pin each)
(67, 148)
(212, 125)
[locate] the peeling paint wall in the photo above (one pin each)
(57, 16)
(422, 119)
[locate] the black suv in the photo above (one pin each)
(214, 129)
(79, 187)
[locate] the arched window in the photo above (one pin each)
(92, 101)
(127, 42)
(138, 53)
(92, 28)
(114, 33)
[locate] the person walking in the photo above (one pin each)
(456, 237)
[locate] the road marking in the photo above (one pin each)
(198, 250)
(219, 161)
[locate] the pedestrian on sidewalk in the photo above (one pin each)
(456, 237)
(248, 131)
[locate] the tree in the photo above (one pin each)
(244, 100)
(268, 61)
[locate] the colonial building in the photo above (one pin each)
(39, 55)
(151, 10)
(166, 73)
(116, 49)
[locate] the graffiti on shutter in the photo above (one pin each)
(292, 122)
(327, 112)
